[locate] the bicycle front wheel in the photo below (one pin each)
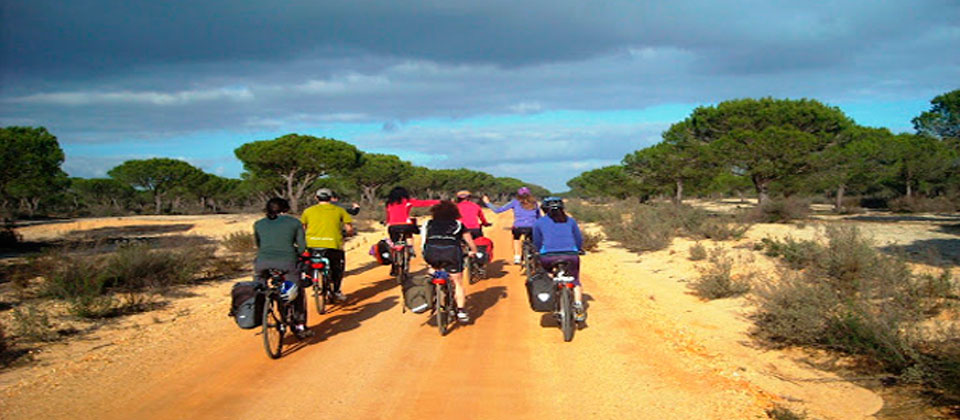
(443, 316)
(273, 328)
(566, 316)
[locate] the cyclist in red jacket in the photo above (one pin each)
(471, 214)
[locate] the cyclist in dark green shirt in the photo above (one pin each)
(280, 240)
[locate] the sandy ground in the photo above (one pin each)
(651, 350)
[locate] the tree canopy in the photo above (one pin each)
(157, 175)
(942, 121)
(768, 139)
(31, 166)
(291, 163)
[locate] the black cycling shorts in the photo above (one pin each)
(475, 233)
(399, 232)
(522, 231)
(447, 257)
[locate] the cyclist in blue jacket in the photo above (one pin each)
(557, 239)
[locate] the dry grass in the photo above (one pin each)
(716, 280)
(845, 295)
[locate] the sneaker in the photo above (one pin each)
(516, 259)
(339, 296)
(462, 316)
(301, 332)
(579, 313)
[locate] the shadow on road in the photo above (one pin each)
(362, 269)
(495, 269)
(349, 319)
(479, 302)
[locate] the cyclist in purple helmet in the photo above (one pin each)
(526, 211)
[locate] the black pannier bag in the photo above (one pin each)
(541, 292)
(381, 251)
(246, 304)
(418, 293)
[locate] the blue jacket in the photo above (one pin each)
(550, 236)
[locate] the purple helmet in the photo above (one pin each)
(523, 191)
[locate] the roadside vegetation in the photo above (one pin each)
(74, 287)
(839, 293)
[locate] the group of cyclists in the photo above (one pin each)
(283, 241)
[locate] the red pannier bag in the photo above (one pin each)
(485, 245)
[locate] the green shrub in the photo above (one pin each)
(779, 412)
(33, 324)
(94, 306)
(646, 228)
(922, 205)
(653, 226)
(138, 268)
(716, 281)
(592, 213)
(224, 267)
(720, 230)
(591, 241)
(89, 282)
(854, 299)
(782, 210)
(796, 253)
(698, 252)
(239, 242)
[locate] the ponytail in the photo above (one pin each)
(558, 215)
(275, 206)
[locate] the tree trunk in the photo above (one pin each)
(679, 197)
(839, 204)
(370, 193)
(909, 189)
(158, 202)
(763, 190)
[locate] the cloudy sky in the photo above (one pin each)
(539, 90)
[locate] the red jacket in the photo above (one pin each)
(471, 214)
(399, 213)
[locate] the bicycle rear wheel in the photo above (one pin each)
(566, 315)
(443, 316)
(319, 293)
(273, 328)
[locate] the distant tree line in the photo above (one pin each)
(291, 166)
(784, 147)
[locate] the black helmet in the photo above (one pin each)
(552, 203)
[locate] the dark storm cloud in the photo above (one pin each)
(111, 72)
(106, 36)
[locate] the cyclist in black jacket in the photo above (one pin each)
(441, 248)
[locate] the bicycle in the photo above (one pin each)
(320, 280)
(475, 269)
(278, 315)
(445, 307)
(400, 253)
(564, 309)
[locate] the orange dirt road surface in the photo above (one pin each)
(368, 360)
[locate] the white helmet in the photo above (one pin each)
(289, 291)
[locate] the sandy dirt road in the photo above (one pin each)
(370, 360)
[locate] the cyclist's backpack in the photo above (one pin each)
(418, 293)
(381, 251)
(541, 292)
(246, 305)
(485, 245)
